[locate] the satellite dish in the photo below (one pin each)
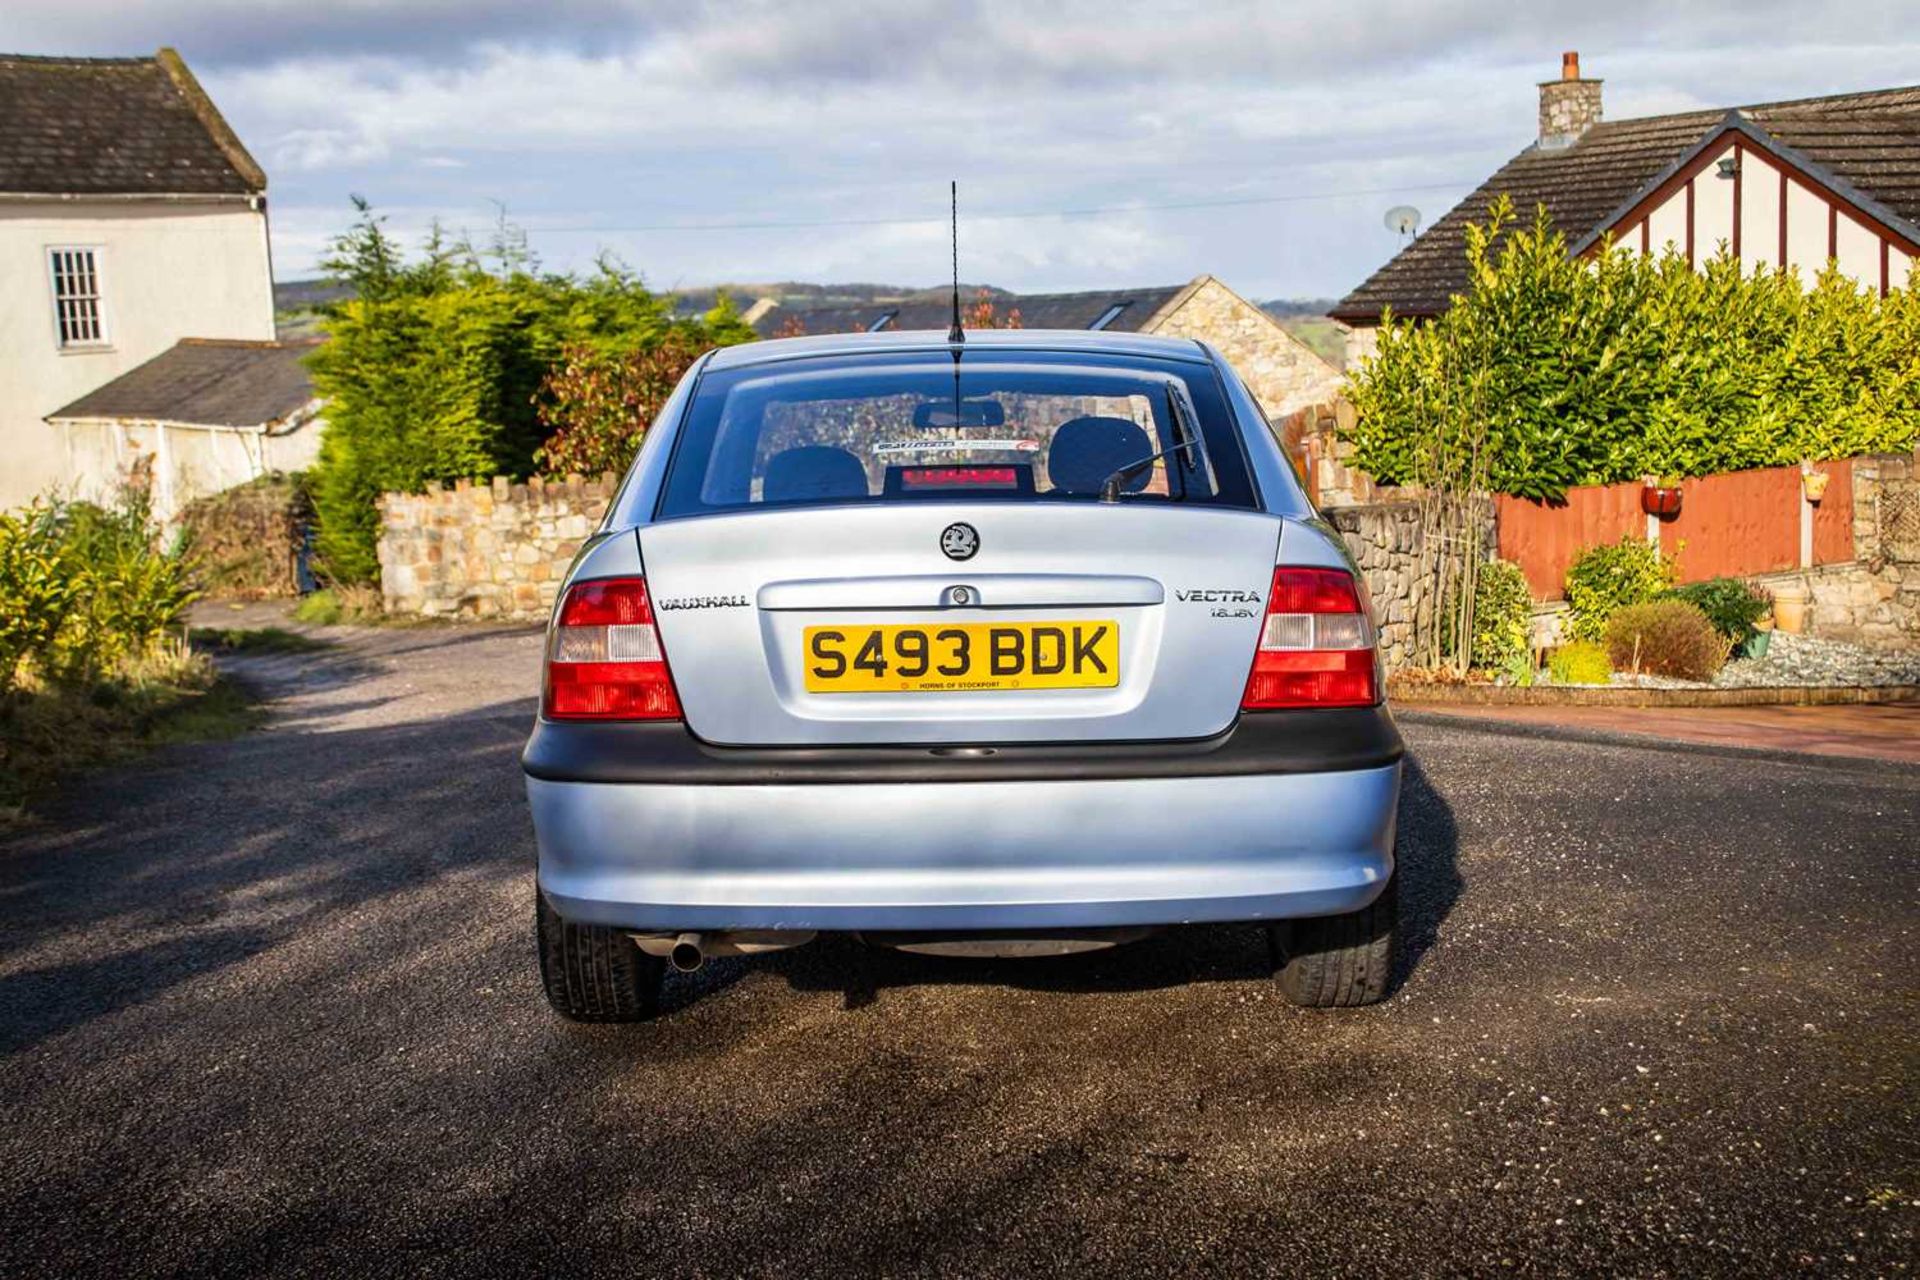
(1403, 220)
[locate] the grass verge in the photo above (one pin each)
(346, 606)
(255, 640)
(48, 734)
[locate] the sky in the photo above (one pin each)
(1098, 144)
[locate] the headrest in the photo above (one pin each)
(813, 473)
(1085, 451)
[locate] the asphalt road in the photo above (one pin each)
(269, 1006)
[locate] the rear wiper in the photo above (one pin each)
(1189, 440)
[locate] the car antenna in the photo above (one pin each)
(956, 335)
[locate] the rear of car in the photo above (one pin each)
(1026, 644)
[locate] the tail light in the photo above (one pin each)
(1316, 647)
(604, 660)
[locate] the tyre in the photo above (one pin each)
(1330, 962)
(592, 973)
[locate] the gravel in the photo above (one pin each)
(1793, 661)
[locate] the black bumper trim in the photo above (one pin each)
(1313, 741)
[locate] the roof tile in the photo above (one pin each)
(209, 382)
(106, 126)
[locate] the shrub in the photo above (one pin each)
(127, 592)
(83, 589)
(1608, 578)
(1665, 638)
(37, 588)
(244, 542)
(1582, 662)
(1502, 613)
(1732, 606)
(598, 405)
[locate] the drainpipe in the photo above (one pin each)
(163, 460)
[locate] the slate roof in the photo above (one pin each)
(209, 382)
(935, 311)
(1870, 141)
(115, 126)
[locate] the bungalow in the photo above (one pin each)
(1793, 184)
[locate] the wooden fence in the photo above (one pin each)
(1738, 524)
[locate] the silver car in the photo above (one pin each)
(1025, 644)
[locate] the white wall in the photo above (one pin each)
(1667, 225)
(168, 271)
(1713, 210)
(1807, 232)
(1857, 246)
(1857, 249)
(1759, 212)
(186, 462)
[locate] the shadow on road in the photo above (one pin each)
(212, 854)
(203, 856)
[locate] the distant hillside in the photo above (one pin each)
(1287, 308)
(305, 295)
(1306, 319)
(794, 294)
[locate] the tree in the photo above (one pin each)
(435, 369)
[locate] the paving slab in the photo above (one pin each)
(1884, 731)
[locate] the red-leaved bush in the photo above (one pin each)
(597, 405)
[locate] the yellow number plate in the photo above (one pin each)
(952, 657)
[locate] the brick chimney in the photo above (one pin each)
(1569, 106)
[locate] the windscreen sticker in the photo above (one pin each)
(956, 446)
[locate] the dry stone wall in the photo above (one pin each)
(1874, 599)
(1386, 540)
(494, 551)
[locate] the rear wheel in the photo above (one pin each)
(1327, 962)
(593, 973)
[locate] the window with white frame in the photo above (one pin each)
(79, 317)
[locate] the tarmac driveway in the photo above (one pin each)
(270, 1006)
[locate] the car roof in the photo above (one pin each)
(995, 340)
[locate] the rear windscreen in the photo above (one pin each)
(909, 427)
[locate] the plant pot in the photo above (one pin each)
(1814, 485)
(1790, 608)
(1660, 500)
(1756, 645)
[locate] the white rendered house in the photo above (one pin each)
(131, 217)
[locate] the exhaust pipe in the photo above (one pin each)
(687, 954)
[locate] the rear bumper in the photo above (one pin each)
(1026, 853)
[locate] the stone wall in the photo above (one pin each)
(1282, 372)
(1362, 343)
(493, 550)
(1312, 438)
(1386, 540)
(1875, 599)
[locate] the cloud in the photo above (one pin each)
(593, 119)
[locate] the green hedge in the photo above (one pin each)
(434, 370)
(1622, 365)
